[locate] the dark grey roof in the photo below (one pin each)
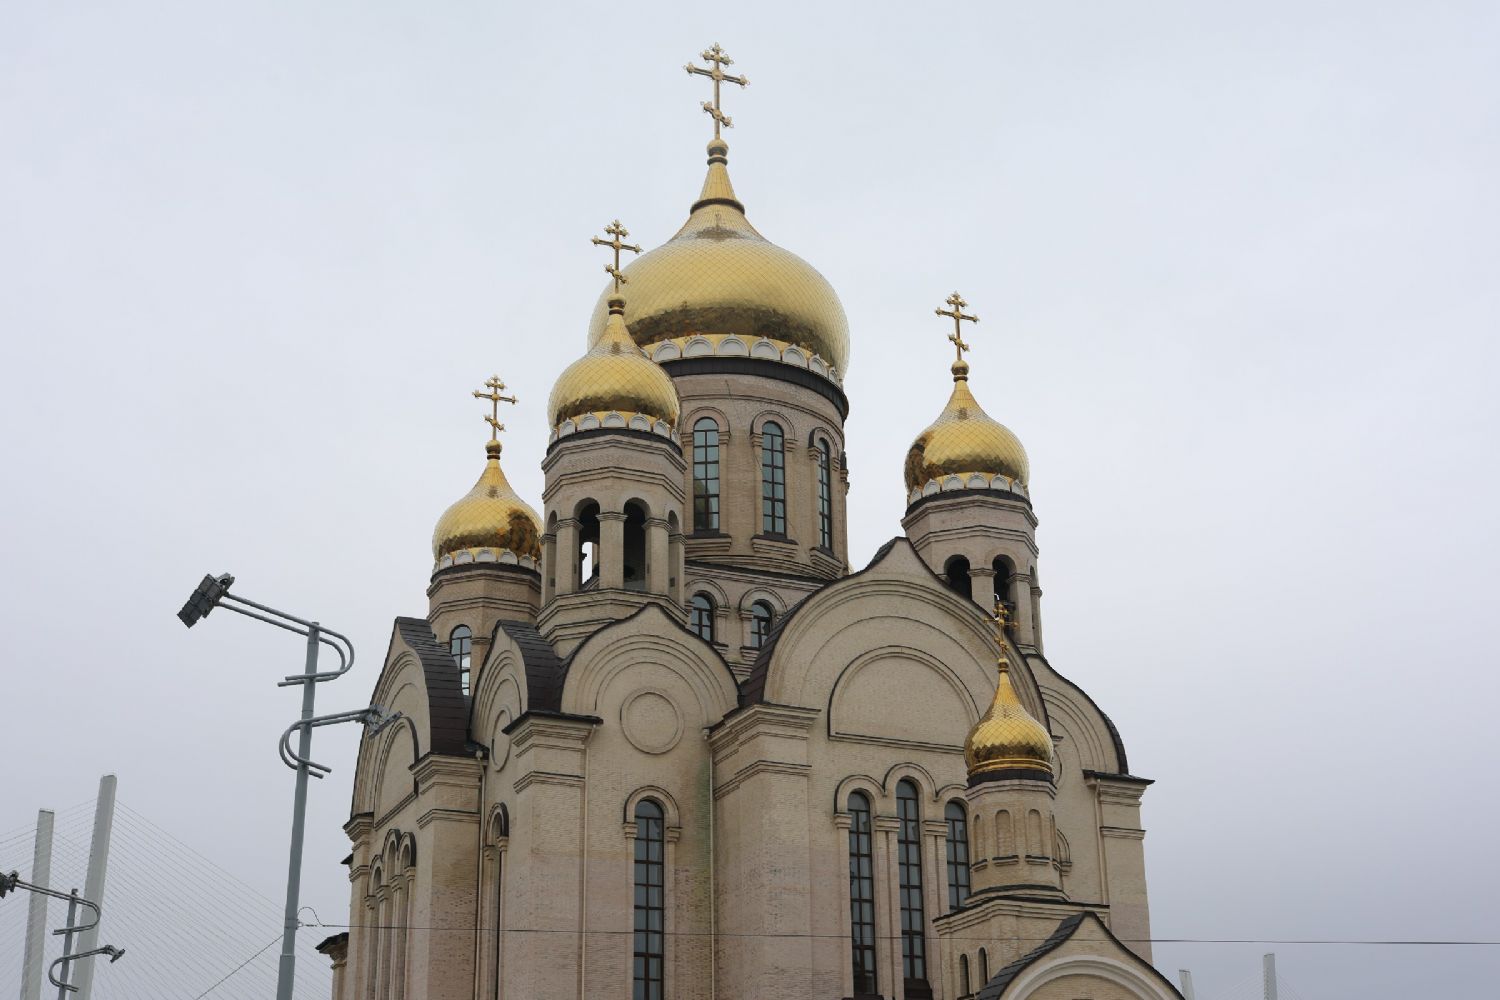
(1114, 732)
(544, 670)
(446, 707)
(997, 985)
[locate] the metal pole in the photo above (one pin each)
(66, 974)
(1187, 983)
(36, 913)
(93, 883)
(1268, 975)
(288, 966)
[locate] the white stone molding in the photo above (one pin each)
(1127, 978)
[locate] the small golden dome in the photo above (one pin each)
(1008, 738)
(964, 440)
(719, 276)
(615, 375)
(490, 516)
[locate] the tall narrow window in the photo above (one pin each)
(650, 909)
(706, 475)
(825, 496)
(909, 869)
(861, 896)
(760, 624)
(461, 648)
(963, 976)
(958, 854)
(701, 616)
(772, 479)
(984, 967)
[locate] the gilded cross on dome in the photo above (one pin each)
(616, 233)
(495, 387)
(1003, 625)
(720, 59)
(958, 316)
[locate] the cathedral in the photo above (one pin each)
(658, 739)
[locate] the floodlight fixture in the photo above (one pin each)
(210, 591)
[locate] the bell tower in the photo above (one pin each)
(968, 508)
(614, 483)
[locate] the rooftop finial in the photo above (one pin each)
(495, 387)
(719, 58)
(1003, 626)
(617, 233)
(957, 314)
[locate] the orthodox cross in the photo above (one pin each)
(720, 59)
(1003, 624)
(617, 232)
(958, 316)
(495, 387)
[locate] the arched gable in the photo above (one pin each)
(1096, 740)
(652, 640)
(891, 626)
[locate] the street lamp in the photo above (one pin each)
(213, 592)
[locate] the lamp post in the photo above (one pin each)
(213, 592)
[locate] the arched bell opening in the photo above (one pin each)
(956, 575)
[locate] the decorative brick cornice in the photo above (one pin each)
(1122, 832)
(547, 778)
(760, 767)
(468, 817)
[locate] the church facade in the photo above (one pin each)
(659, 739)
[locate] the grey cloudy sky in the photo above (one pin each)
(1236, 266)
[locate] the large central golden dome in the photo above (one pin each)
(718, 276)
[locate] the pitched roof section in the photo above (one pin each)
(544, 670)
(996, 987)
(446, 705)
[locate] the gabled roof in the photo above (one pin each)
(1001, 981)
(446, 707)
(544, 669)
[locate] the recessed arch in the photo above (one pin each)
(672, 815)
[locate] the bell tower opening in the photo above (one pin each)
(635, 546)
(956, 576)
(588, 546)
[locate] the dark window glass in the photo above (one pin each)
(861, 895)
(706, 475)
(963, 976)
(701, 617)
(909, 870)
(984, 967)
(650, 907)
(772, 479)
(461, 648)
(958, 854)
(825, 497)
(760, 624)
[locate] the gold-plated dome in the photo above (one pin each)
(719, 276)
(490, 516)
(964, 440)
(1007, 738)
(615, 375)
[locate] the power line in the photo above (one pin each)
(237, 968)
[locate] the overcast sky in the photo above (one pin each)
(1236, 265)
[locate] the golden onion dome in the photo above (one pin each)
(964, 440)
(490, 516)
(614, 376)
(1007, 739)
(719, 276)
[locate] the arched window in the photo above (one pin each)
(984, 967)
(760, 624)
(825, 495)
(461, 648)
(1005, 579)
(861, 895)
(706, 475)
(963, 976)
(701, 616)
(909, 871)
(772, 479)
(588, 546)
(635, 547)
(650, 906)
(956, 575)
(958, 854)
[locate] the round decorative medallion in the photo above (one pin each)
(650, 722)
